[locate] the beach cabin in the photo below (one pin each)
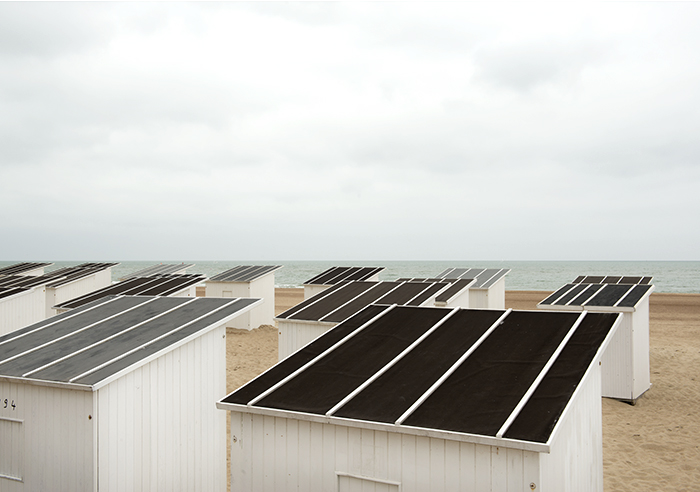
(118, 394)
(625, 364)
(313, 317)
(24, 300)
(160, 269)
(72, 282)
(429, 399)
(488, 289)
(335, 275)
(26, 268)
(171, 285)
(20, 306)
(247, 281)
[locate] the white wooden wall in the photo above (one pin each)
(311, 290)
(492, 298)
(77, 288)
(273, 453)
(461, 300)
(263, 314)
(616, 363)
(263, 288)
(22, 310)
(294, 335)
(159, 428)
(640, 349)
(46, 439)
(575, 463)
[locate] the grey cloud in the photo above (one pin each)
(523, 67)
(49, 29)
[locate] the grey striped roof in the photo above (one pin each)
(345, 299)
(160, 269)
(339, 274)
(21, 268)
(87, 345)
(245, 273)
(484, 277)
(160, 285)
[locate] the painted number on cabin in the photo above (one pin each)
(8, 403)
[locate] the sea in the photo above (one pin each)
(669, 276)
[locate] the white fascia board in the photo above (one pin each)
(384, 427)
(179, 343)
(49, 384)
(24, 292)
(308, 322)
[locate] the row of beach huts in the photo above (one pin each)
(411, 384)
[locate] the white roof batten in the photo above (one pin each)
(71, 333)
(452, 369)
(563, 294)
(622, 297)
(388, 366)
(107, 338)
(348, 302)
(142, 346)
(319, 357)
(528, 394)
(428, 286)
(107, 300)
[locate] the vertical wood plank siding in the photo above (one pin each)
(274, 453)
(56, 448)
(616, 362)
(159, 428)
(22, 310)
(575, 463)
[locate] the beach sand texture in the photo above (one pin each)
(654, 445)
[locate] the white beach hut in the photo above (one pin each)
(20, 306)
(488, 290)
(24, 300)
(117, 395)
(26, 268)
(247, 281)
(72, 282)
(416, 399)
(335, 275)
(167, 285)
(625, 364)
(313, 317)
(160, 269)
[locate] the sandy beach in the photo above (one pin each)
(653, 445)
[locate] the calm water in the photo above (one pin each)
(669, 276)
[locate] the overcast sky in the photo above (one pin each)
(346, 131)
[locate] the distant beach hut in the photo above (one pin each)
(488, 289)
(247, 281)
(313, 317)
(335, 275)
(160, 269)
(35, 295)
(166, 285)
(21, 306)
(117, 395)
(405, 398)
(72, 282)
(625, 364)
(24, 300)
(26, 268)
